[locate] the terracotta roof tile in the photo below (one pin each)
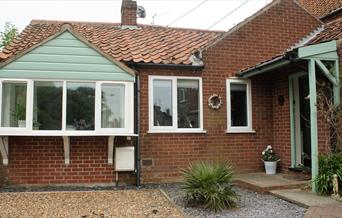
(332, 31)
(320, 8)
(145, 44)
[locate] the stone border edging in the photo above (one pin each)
(172, 203)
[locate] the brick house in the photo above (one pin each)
(89, 102)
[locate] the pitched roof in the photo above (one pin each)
(320, 8)
(139, 44)
(332, 31)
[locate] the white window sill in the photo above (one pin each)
(247, 131)
(74, 133)
(178, 131)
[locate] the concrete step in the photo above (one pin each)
(304, 198)
(262, 183)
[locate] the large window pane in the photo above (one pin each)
(14, 104)
(238, 104)
(162, 102)
(188, 103)
(80, 106)
(113, 106)
(47, 109)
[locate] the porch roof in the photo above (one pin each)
(330, 32)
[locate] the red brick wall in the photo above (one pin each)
(172, 152)
(40, 160)
(272, 32)
(263, 37)
(281, 118)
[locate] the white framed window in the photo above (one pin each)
(239, 106)
(60, 107)
(15, 114)
(117, 109)
(175, 104)
(47, 105)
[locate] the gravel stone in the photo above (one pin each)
(251, 204)
(148, 201)
(124, 203)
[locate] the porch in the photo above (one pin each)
(300, 133)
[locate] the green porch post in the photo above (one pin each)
(336, 88)
(313, 121)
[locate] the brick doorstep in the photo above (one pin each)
(330, 210)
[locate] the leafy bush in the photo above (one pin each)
(210, 185)
(328, 166)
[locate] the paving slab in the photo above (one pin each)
(263, 182)
(304, 198)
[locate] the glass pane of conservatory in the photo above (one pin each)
(162, 102)
(80, 106)
(14, 104)
(188, 103)
(113, 106)
(47, 105)
(238, 104)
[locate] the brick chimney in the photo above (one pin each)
(129, 12)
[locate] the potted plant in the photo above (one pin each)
(20, 115)
(36, 125)
(270, 160)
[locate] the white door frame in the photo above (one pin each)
(296, 133)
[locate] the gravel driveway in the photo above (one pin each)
(126, 203)
(146, 202)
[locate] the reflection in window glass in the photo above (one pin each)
(238, 104)
(80, 106)
(162, 102)
(113, 106)
(14, 104)
(47, 108)
(188, 103)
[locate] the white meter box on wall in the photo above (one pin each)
(124, 158)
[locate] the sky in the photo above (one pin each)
(158, 12)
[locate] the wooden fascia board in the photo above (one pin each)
(321, 50)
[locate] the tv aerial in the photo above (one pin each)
(141, 12)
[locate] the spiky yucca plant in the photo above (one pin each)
(210, 185)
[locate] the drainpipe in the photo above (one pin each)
(137, 128)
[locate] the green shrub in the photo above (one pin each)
(328, 166)
(209, 185)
